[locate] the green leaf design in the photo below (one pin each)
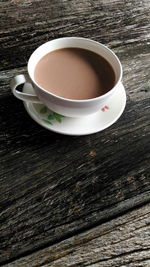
(50, 117)
(58, 117)
(43, 110)
(47, 121)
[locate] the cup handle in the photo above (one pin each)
(27, 88)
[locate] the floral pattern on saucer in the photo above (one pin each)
(50, 116)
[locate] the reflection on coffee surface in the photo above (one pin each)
(74, 73)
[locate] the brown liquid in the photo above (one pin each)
(74, 73)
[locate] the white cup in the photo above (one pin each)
(64, 106)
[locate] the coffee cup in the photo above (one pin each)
(65, 106)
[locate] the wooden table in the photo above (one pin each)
(75, 201)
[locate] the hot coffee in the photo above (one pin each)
(74, 73)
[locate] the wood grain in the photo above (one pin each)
(51, 193)
(123, 241)
(53, 187)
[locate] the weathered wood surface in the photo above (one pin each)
(51, 186)
(124, 241)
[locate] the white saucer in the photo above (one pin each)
(99, 121)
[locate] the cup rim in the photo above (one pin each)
(78, 100)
